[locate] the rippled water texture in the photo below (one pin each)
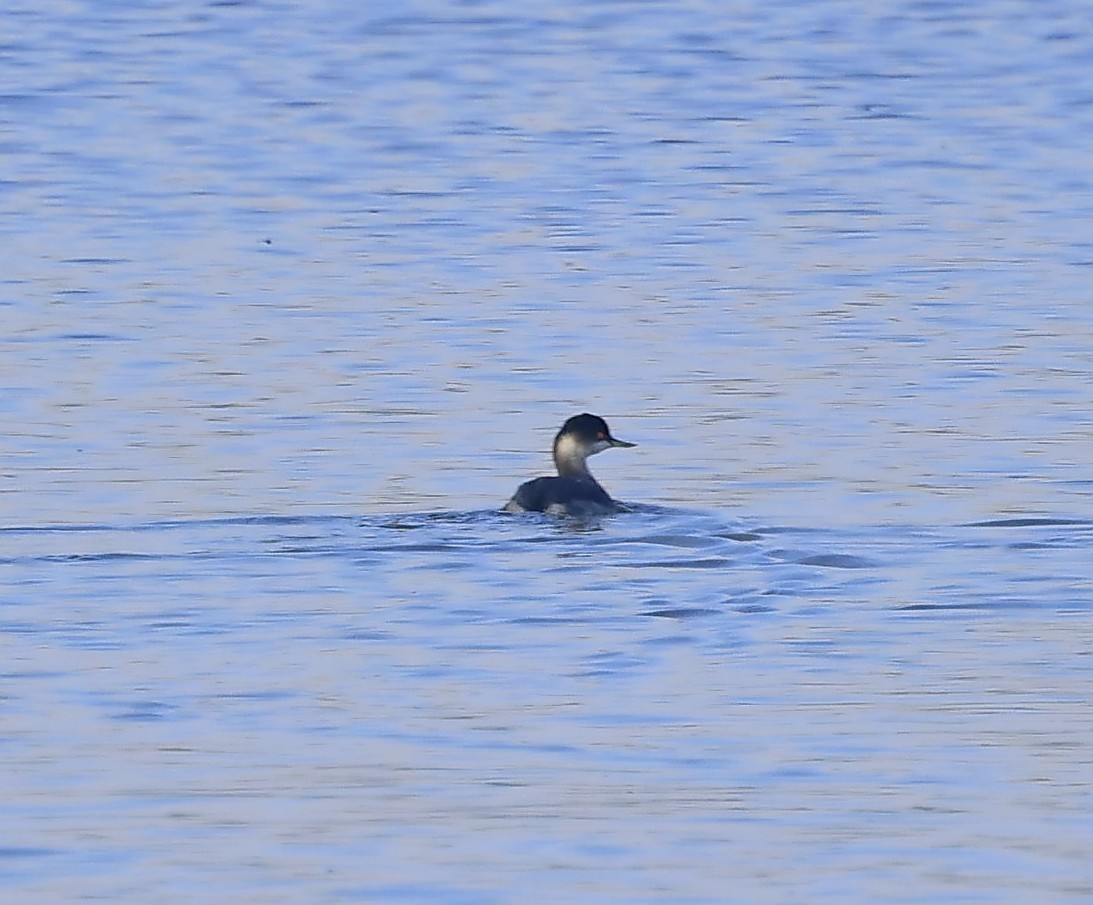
(293, 298)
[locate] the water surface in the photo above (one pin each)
(293, 298)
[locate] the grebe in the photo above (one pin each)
(574, 491)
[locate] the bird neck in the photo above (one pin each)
(570, 459)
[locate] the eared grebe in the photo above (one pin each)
(574, 491)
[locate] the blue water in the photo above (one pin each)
(293, 298)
